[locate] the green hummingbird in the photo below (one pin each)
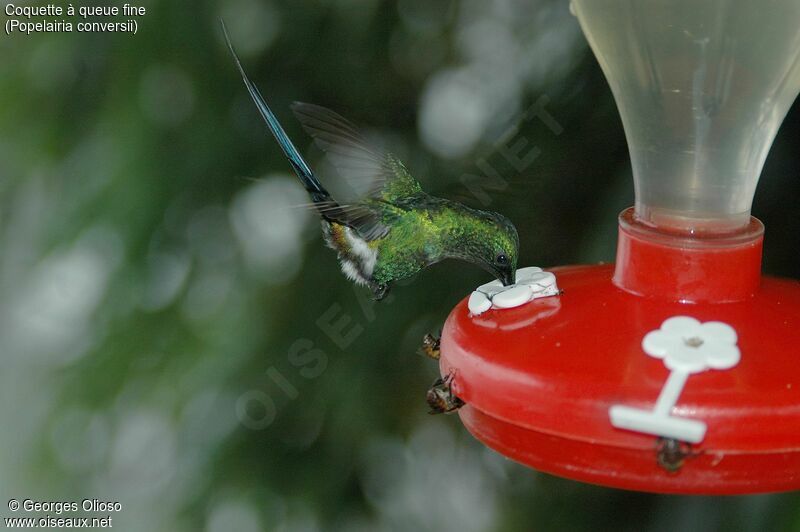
(395, 229)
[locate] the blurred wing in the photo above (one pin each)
(377, 174)
(364, 221)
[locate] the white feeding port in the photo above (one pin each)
(532, 283)
(686, 346)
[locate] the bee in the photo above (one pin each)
(672, 453)
(440, 397)
(430, 346)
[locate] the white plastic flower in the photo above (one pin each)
(687, 345)
(531, 283)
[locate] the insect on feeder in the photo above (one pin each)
(677, 369)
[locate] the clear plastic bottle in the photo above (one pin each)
(702, 87)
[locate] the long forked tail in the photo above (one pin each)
(312, 185)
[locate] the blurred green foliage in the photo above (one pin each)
(153, 274)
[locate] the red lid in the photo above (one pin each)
(539, 381)
(695, 268)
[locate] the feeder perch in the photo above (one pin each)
(687, 346)
(682, 339)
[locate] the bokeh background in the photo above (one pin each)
(158, 293)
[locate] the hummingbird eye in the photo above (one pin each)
(502, 259)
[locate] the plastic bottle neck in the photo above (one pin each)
(688, 268)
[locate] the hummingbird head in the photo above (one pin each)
(497, 247)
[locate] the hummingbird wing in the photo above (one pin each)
(363, 220)
(381, 175)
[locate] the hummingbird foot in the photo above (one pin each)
(430, 346)
(379, 291)
(441, 398)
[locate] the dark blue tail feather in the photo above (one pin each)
(310, 182)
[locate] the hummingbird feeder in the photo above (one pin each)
(677, 369)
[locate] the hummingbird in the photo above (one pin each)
(395, 229)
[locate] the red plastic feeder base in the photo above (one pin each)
(539, 379)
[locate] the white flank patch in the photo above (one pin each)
(360, 249)
(351, 272)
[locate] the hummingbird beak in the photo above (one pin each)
(506, 276)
